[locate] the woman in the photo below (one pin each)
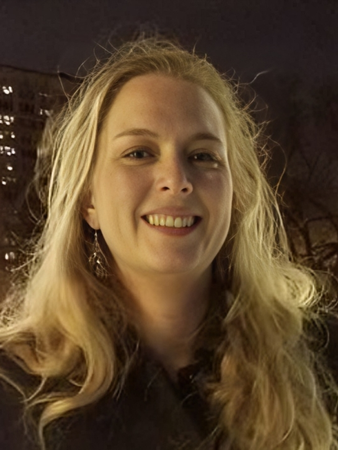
(161, 309)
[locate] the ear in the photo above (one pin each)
(89, 213)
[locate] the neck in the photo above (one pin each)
(167, 311)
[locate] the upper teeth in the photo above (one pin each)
(170, 221)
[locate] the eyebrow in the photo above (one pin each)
(202, 136)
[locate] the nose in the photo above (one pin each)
(174, 175)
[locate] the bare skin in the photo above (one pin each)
(167, 327)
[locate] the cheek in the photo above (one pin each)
(220, 193)
(218, 188)
(120, 192)
(130, 186)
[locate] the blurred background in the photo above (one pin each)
(284, 51)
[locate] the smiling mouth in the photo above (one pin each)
(170, 221)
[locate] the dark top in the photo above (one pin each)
(151, 413)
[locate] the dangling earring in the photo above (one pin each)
(97, 260)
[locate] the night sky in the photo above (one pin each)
(246, 36)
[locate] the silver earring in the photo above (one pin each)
(97, 260)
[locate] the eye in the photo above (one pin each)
(207, 158)
(137, 154)
(203, 156)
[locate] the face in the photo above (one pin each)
(162, 151)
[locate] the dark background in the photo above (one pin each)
(248, 36)
(286, 51)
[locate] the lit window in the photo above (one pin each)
(7, 89)
(6, 150)
(9, 256)
(7, 120)
(44, 112)
(7, 180)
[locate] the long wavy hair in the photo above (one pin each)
(62, 323)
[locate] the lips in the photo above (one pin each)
(172, 211)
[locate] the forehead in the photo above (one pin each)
(164, 102)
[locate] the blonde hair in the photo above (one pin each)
(59, 324)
